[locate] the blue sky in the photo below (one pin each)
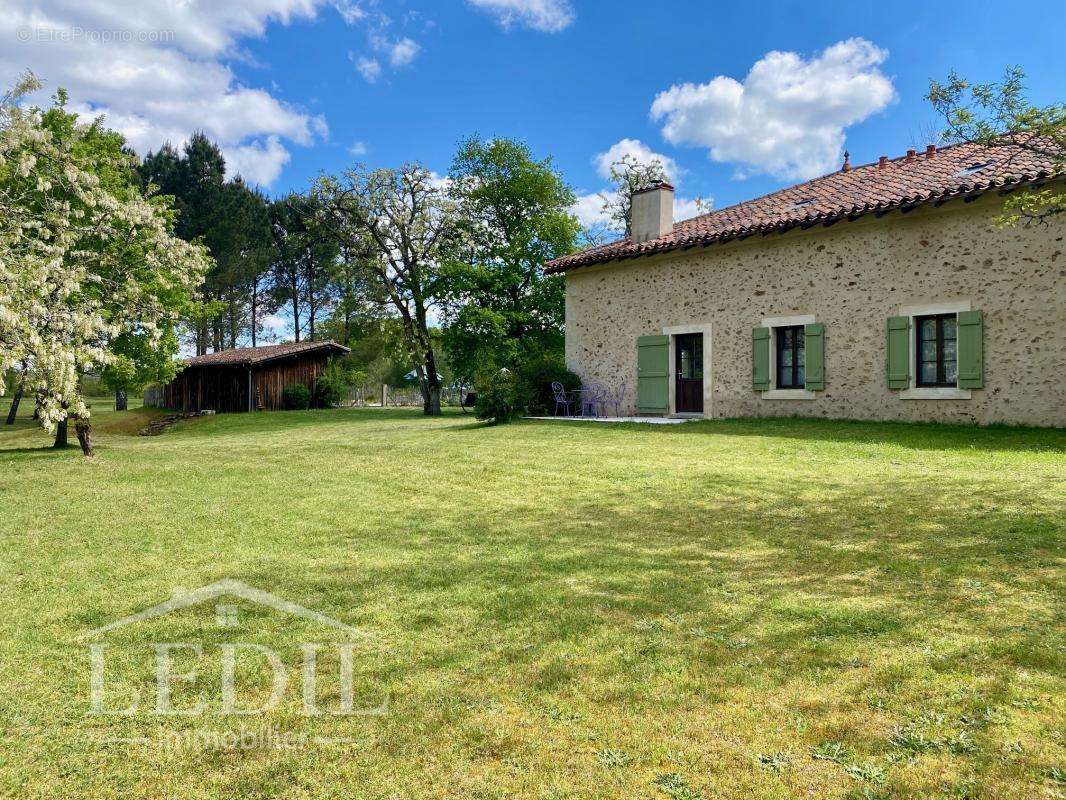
(574, 93)
(293, 87)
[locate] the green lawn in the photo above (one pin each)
(741, 609)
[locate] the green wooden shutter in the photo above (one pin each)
(971, 350)
(814, 350)
(760, 359)
(653, 374)
(899, 352)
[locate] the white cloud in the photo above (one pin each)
(788, 116)
(403, 52)
(369, 68)
(169, 77)
(638, 150)
(257, 162)
(589, 210)
(689, 207)
(358, 148)
(276, 323)
(398, 53)
(548, 16)
(350, 10)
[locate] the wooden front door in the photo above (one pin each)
(688, 366)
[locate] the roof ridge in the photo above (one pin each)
(823, 176)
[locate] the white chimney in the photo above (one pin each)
(652, 212)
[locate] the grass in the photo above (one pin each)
(768, 609)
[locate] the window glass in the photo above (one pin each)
(937, 350)
(790, 357)
(690, 353)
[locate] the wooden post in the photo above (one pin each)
(384, 395)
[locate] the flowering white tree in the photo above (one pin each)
(84, 255)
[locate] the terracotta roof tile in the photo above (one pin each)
(959, 170)
(246, 356)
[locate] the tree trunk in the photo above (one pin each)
(295, 288)
(255, 309)
(14, 410)
(61, 435)
(431, 392)
(121, 403)
(84, 431)
(431, 406)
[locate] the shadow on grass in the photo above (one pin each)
(911, 435)
(274, 421)
(45, 450)
(750, 576)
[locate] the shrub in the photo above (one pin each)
(336, 380)
(535, 378)
(497, 396)
(296, 397)
(329, 391)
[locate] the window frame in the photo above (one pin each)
(798, 343)
(941, 381)
(926, 309)
(775, 393)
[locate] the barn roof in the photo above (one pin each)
(247, 356)
(932, 176)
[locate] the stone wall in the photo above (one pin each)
(851, 276)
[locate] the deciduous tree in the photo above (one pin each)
(406, 220)
(998, 115)
(513, 216)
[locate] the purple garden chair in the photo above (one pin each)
(593, 400)
(615, 398)
(562, 399)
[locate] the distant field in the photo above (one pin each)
(770, 609)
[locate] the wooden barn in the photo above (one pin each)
(247, 378)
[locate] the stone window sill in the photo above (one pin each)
(788, 394)
(934, 393)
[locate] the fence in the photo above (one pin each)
(408, 397)
(153, 397)
(355, 397)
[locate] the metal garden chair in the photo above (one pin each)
(593, 400)
(562, 399)
(615, 398)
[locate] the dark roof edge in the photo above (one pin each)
(318, 346)
(247, 362)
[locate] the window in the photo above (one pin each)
(936, 350)
(791, 359)
(972, 168)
